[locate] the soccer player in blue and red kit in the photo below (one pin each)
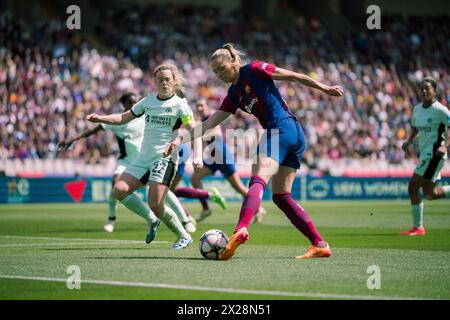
(253, 91)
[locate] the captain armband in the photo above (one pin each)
(187, 118)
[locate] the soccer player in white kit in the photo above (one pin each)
(164, 113)
(430, 121)
(129, 138)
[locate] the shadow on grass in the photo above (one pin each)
(98, 230)
(94, 249)
(149, 258)
(367, 235)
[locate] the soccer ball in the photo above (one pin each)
(212, 243)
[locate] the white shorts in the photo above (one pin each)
(121, 165)
(159, 169)
(430, 168)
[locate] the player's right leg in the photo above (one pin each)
(160, 181)
(235, 180)
(414, 186)
(124, 192)
(262, 172)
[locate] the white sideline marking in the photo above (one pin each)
(228, 290)
(65, 244)
(99, 241)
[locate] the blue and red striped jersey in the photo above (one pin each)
(257, 94)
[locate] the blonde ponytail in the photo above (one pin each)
(229, 52)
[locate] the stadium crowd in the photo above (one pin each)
(50, 77)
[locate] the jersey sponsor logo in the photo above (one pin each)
(424, 129)
(158, 120)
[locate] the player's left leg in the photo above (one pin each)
(237, 184)
(431, 175)
(174, 203)
(415, 184)
(157, 196)
(282, 197)
(262, 172)
(433, 192)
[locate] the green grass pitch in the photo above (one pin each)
(38, 242)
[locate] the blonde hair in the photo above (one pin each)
(177, 77)
(229, 52)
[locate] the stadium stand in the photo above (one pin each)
(50, 78)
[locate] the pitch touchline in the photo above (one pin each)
(71, 244)
(79, 239)
(198, 288)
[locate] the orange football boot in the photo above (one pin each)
(316, 252)
(238, 238)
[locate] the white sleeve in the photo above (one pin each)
(445, 116)
(139, 108)
(185, 112)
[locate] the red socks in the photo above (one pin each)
(252, 202)
(298, 216)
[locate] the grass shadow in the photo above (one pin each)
(148, 258)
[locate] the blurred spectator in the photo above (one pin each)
(50, 78)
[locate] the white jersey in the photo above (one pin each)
(129, 138)
(162, 118)
(431, 123)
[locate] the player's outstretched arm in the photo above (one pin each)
(198, 131)
(288, 75)
(114, 119)
(65, 144)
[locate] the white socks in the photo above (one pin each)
(112, 206)
(175, 204)
(417, 213)
(172, 222)
(135, 204)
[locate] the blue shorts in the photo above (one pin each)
(226, 169)
(285, 145)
